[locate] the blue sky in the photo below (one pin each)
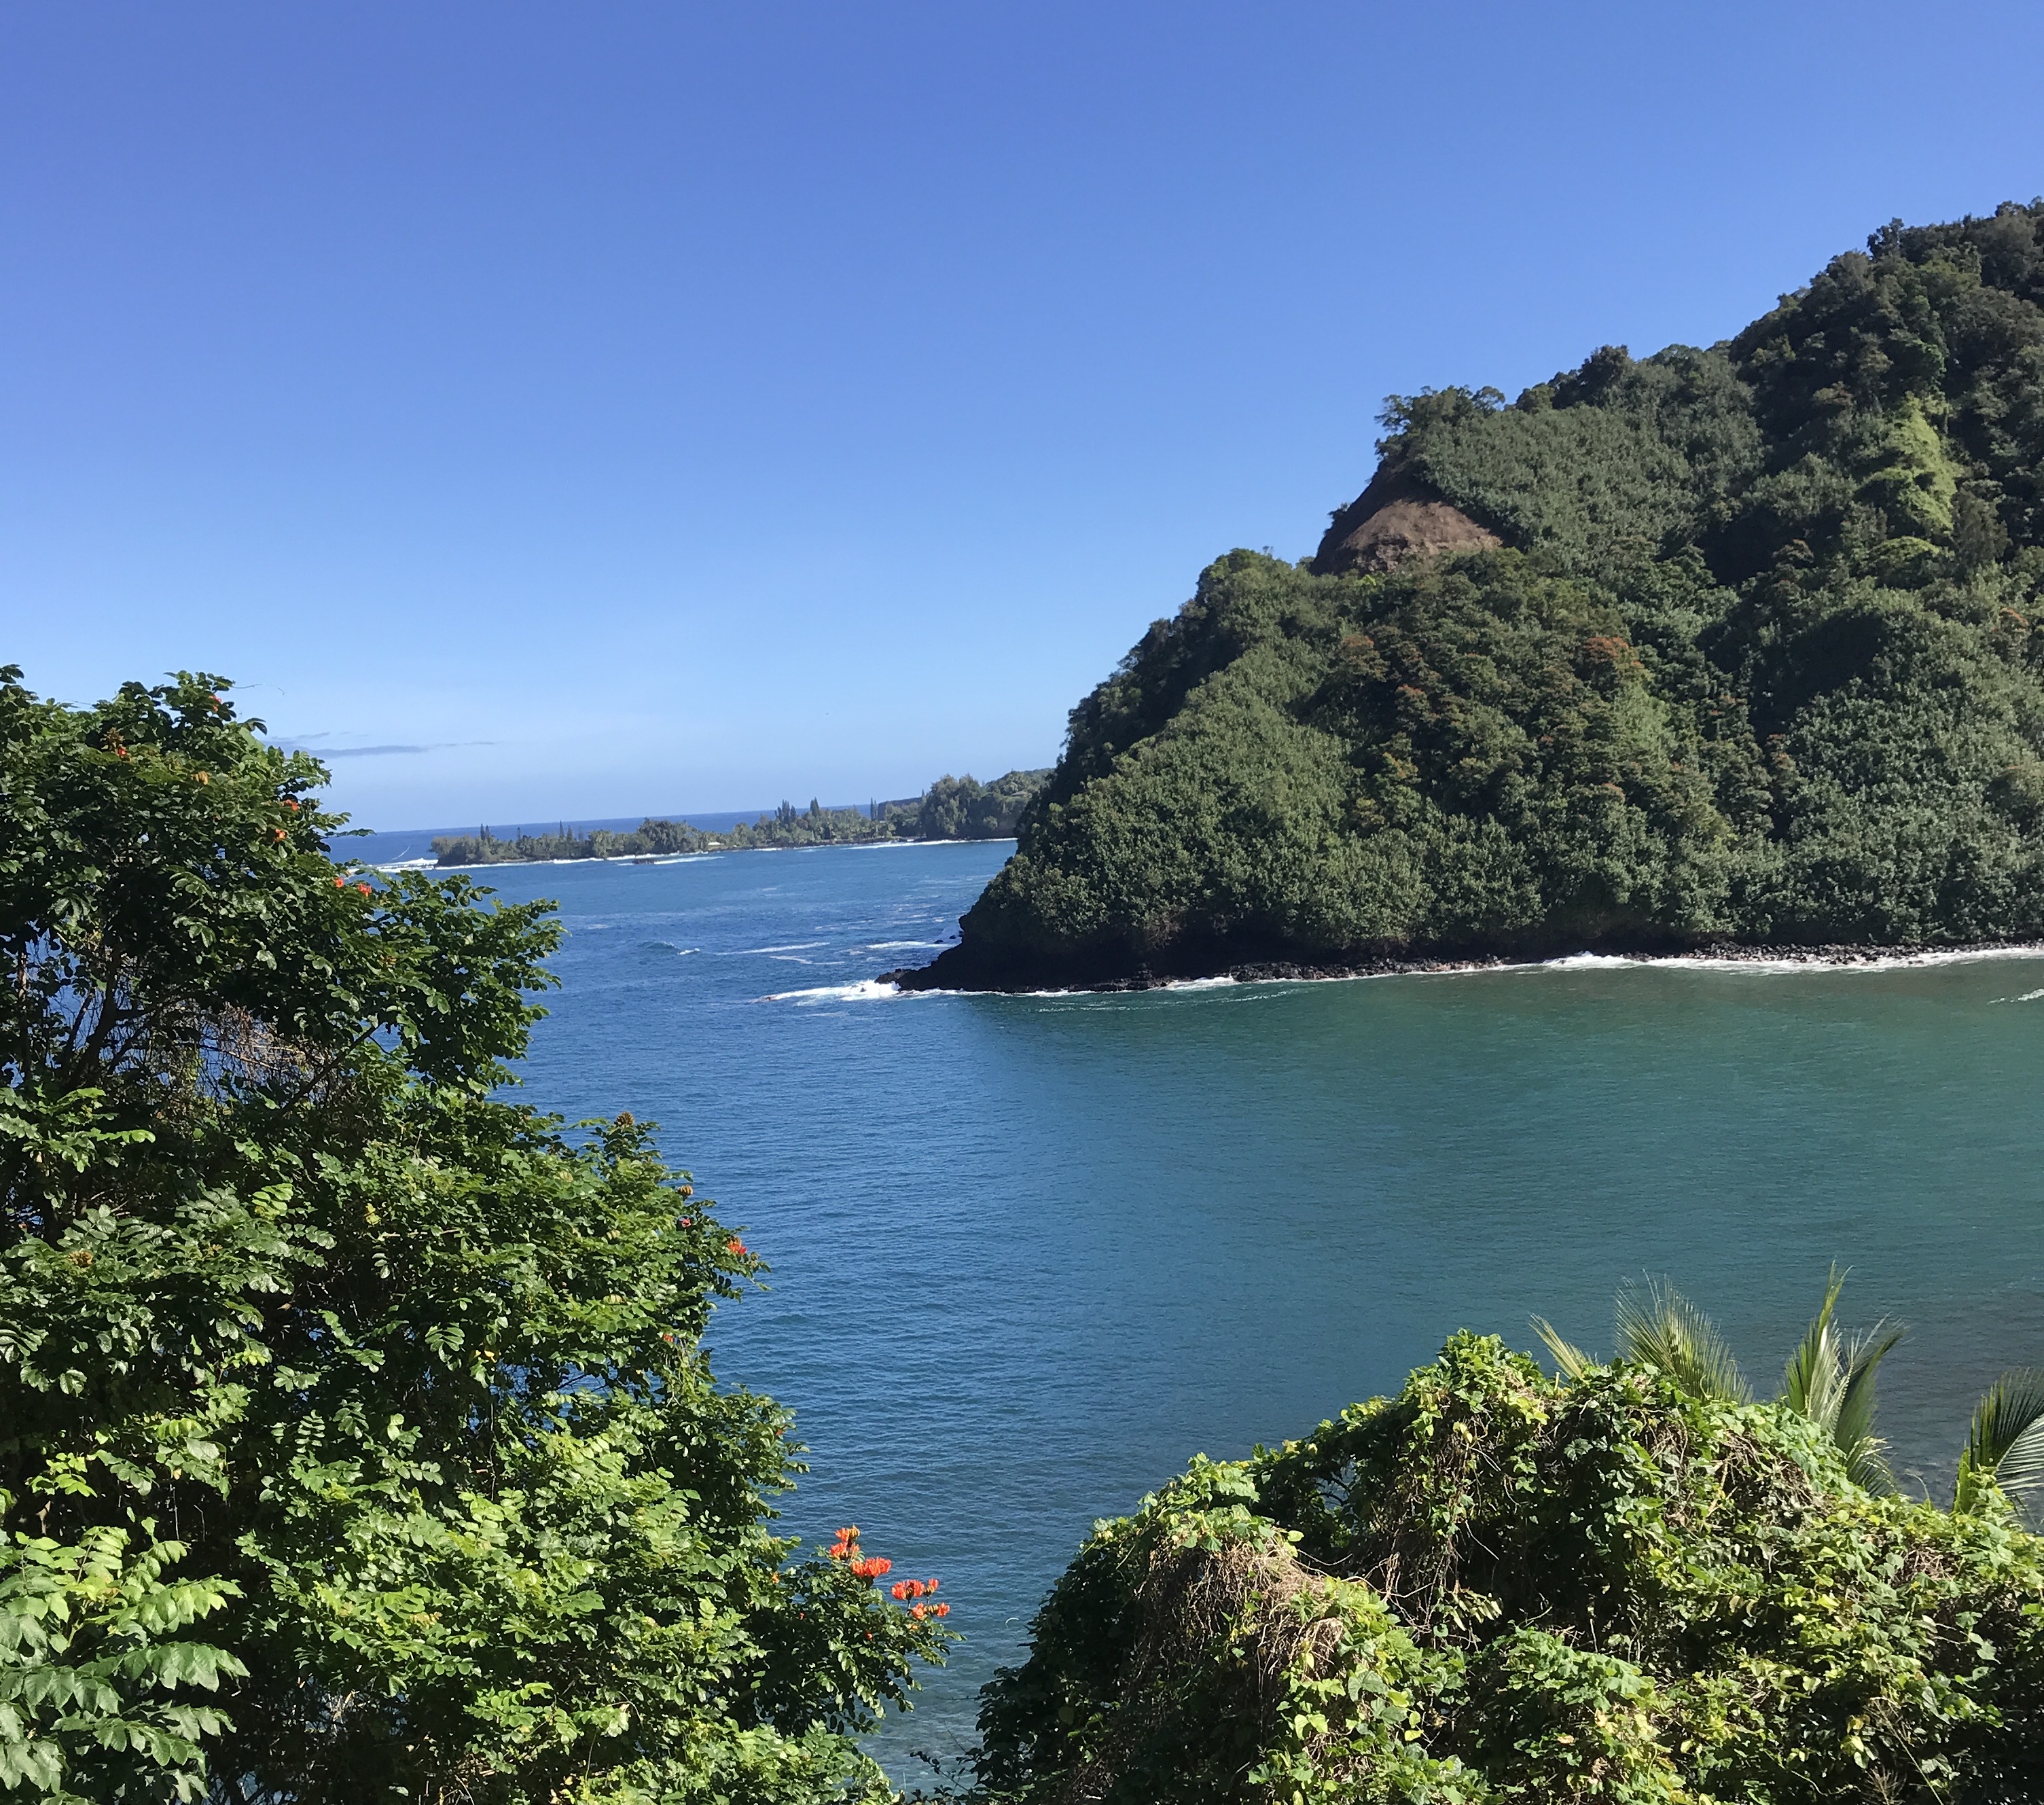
(658, 406)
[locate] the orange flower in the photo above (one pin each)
(291, 804)
(735, 1246)
(276, 833)
(340, 883)
(941, 1610)
(900, 1589)
(365, 889)
(918, 1611)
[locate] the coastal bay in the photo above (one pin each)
(1029, 1253)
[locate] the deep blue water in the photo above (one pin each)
(1030, 1254)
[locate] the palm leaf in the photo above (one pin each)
(1852, 1420)
(2006, 1443)
(1809, 1381)
(1831, 1380)
(1574, 1363)
(1658, 1327)
(2021, 1473)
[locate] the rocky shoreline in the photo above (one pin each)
(960, 977)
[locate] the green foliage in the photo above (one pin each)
(410, 1381)
(959, 808)
(96, 1668)
(1830, 1379)
(1496, 1586)
(650, 839)
(1661, 1328)
(1757, 664)
(2006, 1446)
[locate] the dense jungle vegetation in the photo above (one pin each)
(951, 809)
(1753, 656)
(357, 1442)
(1632, 1583)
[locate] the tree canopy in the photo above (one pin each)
(356, 1439)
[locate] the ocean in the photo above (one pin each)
(1030, 1254)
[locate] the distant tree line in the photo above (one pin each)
(951, 809)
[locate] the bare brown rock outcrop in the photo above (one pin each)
(1396, 518)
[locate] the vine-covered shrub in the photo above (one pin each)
(1498, 1586)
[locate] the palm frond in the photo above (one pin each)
(1852, 1419)
(1810, 1376)
(1658, 1327)
(1571, 1359)
(2006, 1443)
(2021, 1473)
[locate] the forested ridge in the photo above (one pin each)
(1734, 645)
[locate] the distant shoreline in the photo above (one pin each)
(679, 858)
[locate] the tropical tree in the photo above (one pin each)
(356, 1439)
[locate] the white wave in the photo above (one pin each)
(1601, 961)
(898, 946)
(795, 946)
(1814, 961)
(867, 990)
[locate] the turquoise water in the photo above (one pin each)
(1030, 1254)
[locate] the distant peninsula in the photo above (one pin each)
(951, 809)
(1717, 648)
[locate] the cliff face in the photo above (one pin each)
(1741, 644)
(1396, 519)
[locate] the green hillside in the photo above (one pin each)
(1735, 645)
